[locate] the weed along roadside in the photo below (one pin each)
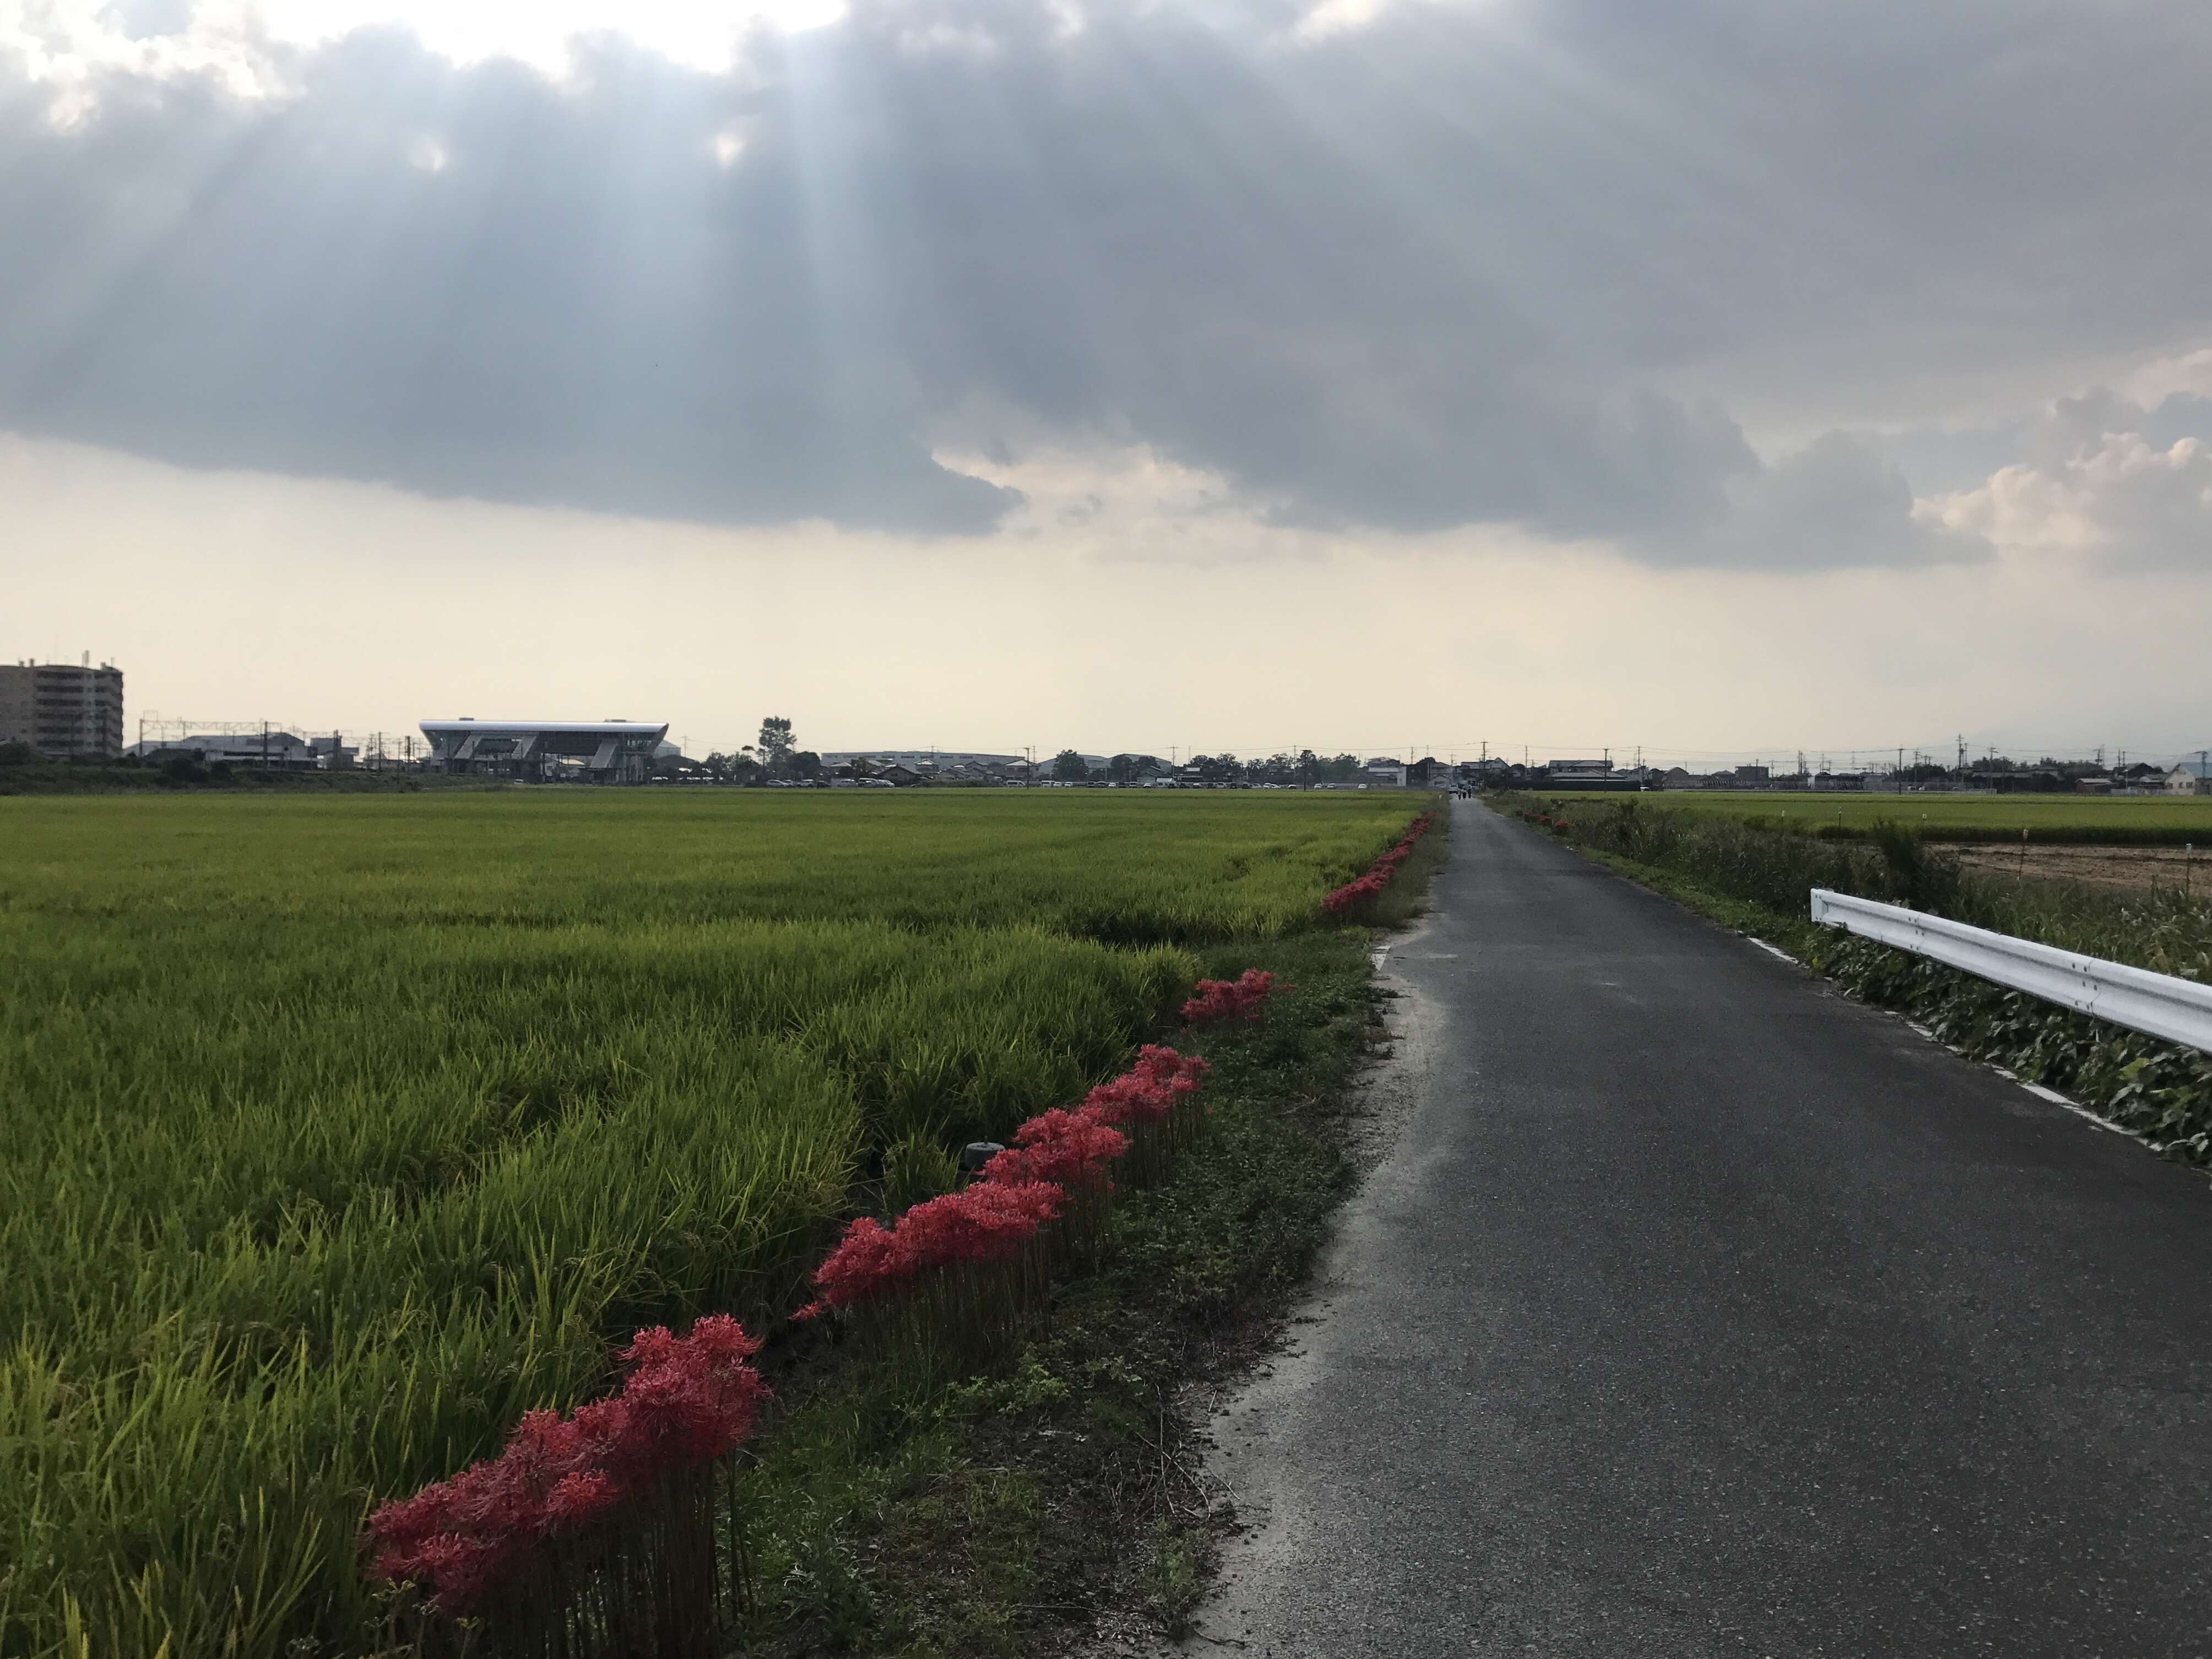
(1756, 878)
(972, 1444)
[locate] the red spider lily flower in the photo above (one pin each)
(685, 1399)
(985, 1222)
(866, 1262)
(689, 1400)
(1148, 1091)
(1069, 1149)
(1379, 875)
(1243, 998)
(580, 1497)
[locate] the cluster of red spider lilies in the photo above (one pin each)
(1353, 893)
(1242, 998)
(509, 1538)
(583, 1535)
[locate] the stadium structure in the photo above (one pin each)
(588, 751)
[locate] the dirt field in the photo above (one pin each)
(2168, 867)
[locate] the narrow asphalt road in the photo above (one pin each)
(1697, 1311)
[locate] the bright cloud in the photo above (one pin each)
(2096, 486)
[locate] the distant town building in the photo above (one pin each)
(929, 760)
(588, 751)
(66, 711)
(1590, 774)
(2192, 777)
(276, 750)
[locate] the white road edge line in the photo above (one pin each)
(2036, 1089)
(2057, 1099)
(1773, 950)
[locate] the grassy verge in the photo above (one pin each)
(1018, 1514)
(1756, 881)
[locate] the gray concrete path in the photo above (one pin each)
(1700, 1311)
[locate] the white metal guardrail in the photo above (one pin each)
(2178, 1010)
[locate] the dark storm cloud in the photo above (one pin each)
(1466, 264)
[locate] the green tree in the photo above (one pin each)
(1067, 767)
(776, 744)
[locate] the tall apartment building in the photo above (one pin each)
(62, 709)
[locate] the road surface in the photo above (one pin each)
(1697, 1311)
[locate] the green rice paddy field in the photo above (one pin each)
(2149, 820)
(341, 1131)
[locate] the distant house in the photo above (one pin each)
(2191, 778)
(1589, 774)
(2032, 781)
(256, 749)
(901, 775)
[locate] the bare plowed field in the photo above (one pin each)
(2172, 869)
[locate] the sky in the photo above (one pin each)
(1722, 378)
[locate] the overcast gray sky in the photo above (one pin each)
(940, 370)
